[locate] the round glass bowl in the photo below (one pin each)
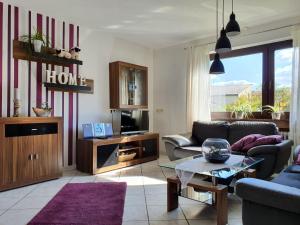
(216, 150)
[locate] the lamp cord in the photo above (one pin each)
(217, 24)
(223, 15)
(232, 6)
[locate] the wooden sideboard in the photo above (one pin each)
(30, 150)
(101, 155)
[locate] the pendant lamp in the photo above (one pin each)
(217, 65)
(223, 44)
(232, 28)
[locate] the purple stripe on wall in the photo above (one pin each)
(52, 66)
(63, 93)
(8, 59)
(1, 53)
(29, 68)
(39, 24)
(77, 95)
(47, 39)
(70, 122)
(16, 37)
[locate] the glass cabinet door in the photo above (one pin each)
(133, 87)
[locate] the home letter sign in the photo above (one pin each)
(64, 78)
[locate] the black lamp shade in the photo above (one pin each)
(232, 28)
(223, 44)
(217, 66)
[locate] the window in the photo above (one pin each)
(255, 76)
(283, 78)
(241, 84)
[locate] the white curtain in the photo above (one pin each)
(295, 101)
(198, 85)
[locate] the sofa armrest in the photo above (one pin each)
(269, 194)
(296, 152)
(271, 149)
(180, 140)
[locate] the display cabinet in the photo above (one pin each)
(128, 85)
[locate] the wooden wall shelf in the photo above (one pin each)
(23, 51)
(89, 89)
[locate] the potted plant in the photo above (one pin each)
(242, 111)
(275, 111)
(38, 39)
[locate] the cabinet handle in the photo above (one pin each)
(30, 157)
(36, 156)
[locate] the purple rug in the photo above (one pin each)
(84, 204)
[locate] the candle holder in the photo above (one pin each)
(17, 106)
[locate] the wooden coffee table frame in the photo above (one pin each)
(218, 190)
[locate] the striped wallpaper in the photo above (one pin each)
(29, 76)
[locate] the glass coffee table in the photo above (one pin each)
(209, 181)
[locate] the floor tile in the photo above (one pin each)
(135, 190)
(32, 202)
(156, 189)
(156, 199)
(18, 192)
(133, 213)
(17, 217)
(169, 222)
(8, 202)
(135, 200)
(135, 222)
(200, 211)
(235, 222)
(83, 179)
(50, 191)
(203, 222)
(160, 213)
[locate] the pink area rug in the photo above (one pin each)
(84, 204)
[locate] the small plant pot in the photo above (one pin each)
(37, 45)
(239, 115)
(276, 115)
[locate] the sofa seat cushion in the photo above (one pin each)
(183, 152)
(214, 129)
(293, 169)
(240, 129)
(288, 179)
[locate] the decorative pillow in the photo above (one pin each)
(240, 144)
(266, 140)
(298, 159)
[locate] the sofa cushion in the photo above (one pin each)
(240, 144)
(293, 169)
(288, 179)
(240, 129)
(265, 140)
(214, 129)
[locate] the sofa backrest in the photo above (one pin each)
(231, 132)
(240, 129)
(214, 129)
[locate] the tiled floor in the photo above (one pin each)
(145, 198)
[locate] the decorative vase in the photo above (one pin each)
(37, 45)
(216, 150)
(239, 115)
(40, 112)
(276, 115)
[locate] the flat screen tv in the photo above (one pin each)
(131, 121)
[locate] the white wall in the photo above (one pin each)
(170, 91)
(98, 49)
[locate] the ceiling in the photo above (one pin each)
(161, 23)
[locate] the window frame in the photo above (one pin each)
(268, 67)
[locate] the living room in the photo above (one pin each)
(149, 112)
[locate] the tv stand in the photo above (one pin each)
(102, 155)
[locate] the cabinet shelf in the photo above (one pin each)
(23, 51)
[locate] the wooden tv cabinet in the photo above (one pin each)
(102, 155)
(30, 150)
